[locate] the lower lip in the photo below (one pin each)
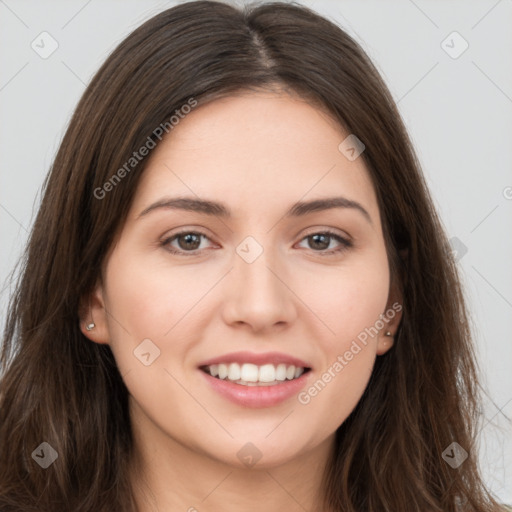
(257, 396)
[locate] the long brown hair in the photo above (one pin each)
(60, 388)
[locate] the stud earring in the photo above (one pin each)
(90, 326)
(388, 334)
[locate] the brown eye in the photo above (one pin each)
(190, 241)
(319, 242)
(185, 242)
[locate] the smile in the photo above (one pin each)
(248, 374)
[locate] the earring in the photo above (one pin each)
(90, 326)
(388, 334)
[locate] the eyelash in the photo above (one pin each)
(345, 243)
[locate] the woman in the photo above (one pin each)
(237, 294)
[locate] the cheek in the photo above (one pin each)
(347, 299)
(147, 300)
(337, 388)
(135, 301)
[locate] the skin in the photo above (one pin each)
(258, 153)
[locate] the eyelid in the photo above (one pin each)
(323, 229)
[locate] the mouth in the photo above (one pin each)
(248, 374)
(256, 380)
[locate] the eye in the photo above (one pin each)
(322, 240)
(188, 243)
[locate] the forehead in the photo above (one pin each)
(253, 150)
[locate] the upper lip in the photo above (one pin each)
(257, 359)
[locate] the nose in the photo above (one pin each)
(258, 295)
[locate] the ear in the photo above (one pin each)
(93, 316)
(391, 318)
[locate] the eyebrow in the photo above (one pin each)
(215, 208)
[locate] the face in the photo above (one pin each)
(264, 282)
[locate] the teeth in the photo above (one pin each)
(223, 371)
(214, 370)
(234, 371)
(252, 375)
(248, 372)
(267, 373)
(281, 372)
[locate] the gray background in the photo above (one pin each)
(458, 112)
